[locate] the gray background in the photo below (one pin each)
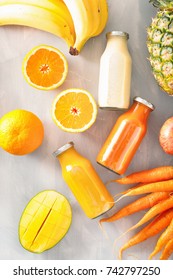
(23, 177)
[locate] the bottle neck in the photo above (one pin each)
(67, 156)
(117, 42)
(141, 111)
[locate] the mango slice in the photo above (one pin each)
(45, 221)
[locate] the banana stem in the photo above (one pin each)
(73, 51)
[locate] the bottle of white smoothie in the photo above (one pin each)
(115, 73)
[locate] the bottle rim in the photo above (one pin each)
(117, 33)
(63, 149)
(145, 102)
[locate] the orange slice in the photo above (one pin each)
(74, 110)
(45, 67)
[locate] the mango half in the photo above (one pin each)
(45, 221)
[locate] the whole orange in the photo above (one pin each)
(21, 132)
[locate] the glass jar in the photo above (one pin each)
(125, 137)
(83, 181)
(115, 73)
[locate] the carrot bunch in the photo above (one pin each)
(157, 184)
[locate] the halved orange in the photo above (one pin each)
(74, 110)
(45, 67)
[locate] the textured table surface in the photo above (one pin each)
(23, 177)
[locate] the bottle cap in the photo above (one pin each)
(63, 149)
(145, 102)
(117, 33)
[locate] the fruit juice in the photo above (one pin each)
(125, 137)
(83, 181)
(115, 73)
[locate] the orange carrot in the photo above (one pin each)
(161, 173)
(155, 210)
(162, 186)
(138, 205)
(167, 251)
(163, 240)
(157, 225)
(132, 188)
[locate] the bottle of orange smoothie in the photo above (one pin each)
(115, 73)
(83, 181)
(125, 137)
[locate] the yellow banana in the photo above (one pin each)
(47, 15)
(56, 6)
(88, 22)
(103, 15)
(93, 16)
(73, 20)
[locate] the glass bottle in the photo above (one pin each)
(125, 137)
(115, 73)
(83, 181)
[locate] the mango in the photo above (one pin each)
(45, 221)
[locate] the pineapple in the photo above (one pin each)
(160, 44)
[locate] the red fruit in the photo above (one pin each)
(166, 136)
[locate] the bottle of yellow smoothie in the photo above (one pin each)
(115, 73)
(83, 181)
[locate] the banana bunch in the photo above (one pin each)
(75, 21)
(89, 18)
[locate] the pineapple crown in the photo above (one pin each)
(162, 4)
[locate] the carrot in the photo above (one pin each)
(167, 251)
(157, 225)
(163, 240)
(138, 205)
(155, 210)
(132, 188)
(161, 173)
(162, 186)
